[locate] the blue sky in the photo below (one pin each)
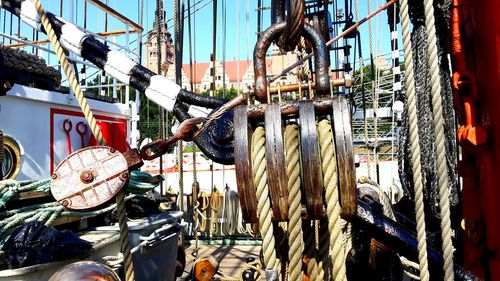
(202, 24)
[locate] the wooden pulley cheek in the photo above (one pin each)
(89, 177)
(243, 164)
(276, 168)
(310, 158)
(345, 156)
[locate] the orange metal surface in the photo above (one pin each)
(480, 165)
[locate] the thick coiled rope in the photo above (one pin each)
(295, 234)
(205, 203)
(96, 131)
(330, 181)
(215, 204)
(306, 72)
(264, 203)
(414, 142)
(437, 112)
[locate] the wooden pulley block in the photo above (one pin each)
(310, 155)
(276, 168)
(242, 160)
(205, 269)
(345, 156)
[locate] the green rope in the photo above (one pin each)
(139, 183)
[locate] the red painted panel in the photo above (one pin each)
(114, 131)
(486, 42)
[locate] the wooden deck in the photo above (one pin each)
(232, 258)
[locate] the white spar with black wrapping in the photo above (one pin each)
(118, 65)
(216, 141)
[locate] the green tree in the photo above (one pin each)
(220, 93)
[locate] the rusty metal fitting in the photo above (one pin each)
(320, 59)
(306, 86)
(470, 133)
(87, 176)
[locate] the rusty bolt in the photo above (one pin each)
(86, 176)
(124, 176)
(112, 150)
(65, 203)
(54, 176)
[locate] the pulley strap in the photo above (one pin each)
(275, 155)
(246, 188)
(345, 157)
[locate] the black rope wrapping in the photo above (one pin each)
(424, 106)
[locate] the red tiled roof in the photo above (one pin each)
(231, 68)
(199, 70)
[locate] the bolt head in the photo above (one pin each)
(65, 203)
(86, 176)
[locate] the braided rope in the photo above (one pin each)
(437, 112)
(370, 30)
(330, 181)
(294, 195)
(305, 66)
(215, 204)
(96, 131)
(310, 249)
(414, 142)
(264, 203)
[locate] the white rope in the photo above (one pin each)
(264, 202)
(294, 196)
(437, 112)
(330, 181)
(414, 142)
(230, 213)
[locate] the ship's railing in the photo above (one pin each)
(17, 33)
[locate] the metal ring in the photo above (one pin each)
(81, 128)
(67, 126)
(11, 165)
